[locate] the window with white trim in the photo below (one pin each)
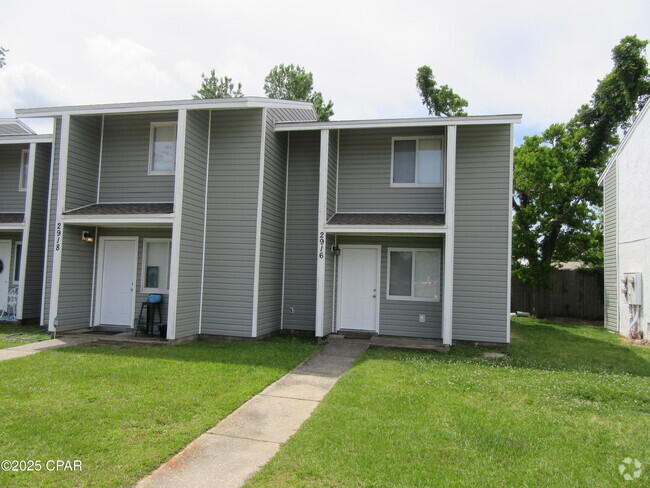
(162, 148)
(413, 274)
(24, 170)
(417, 161)
(18, 252)
(156, 257)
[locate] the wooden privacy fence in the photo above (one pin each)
(575, 293)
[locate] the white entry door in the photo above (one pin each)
(117, 300)
(5, 272)
(359, 289)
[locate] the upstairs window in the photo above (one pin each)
(417, 161)
(24, 170)
(162, 148)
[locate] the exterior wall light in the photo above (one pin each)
(87, 236)
(336, 250)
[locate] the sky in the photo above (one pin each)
(539, 59)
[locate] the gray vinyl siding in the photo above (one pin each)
(328, 311)
(611, 243)
(141, 234)
(83, 161)
(402, 317)
(365, 174)
(51, 235)
(125, 161)
(332, 170)
(33, 279)
(11, 199)
(75, 285)
(482, 220)
(192, 223)
(302, 232)
(235, 144)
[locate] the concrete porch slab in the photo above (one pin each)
(348, 349)
(407, 343)
(266, 418)
(301, 387)
(211, 461)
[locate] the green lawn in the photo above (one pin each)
(563, 409)
(7, 329)
(123, 411)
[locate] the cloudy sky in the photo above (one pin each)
(541, 59)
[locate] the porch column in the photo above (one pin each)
(450, 209)
(321, 238)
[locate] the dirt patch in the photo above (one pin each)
(632, 342)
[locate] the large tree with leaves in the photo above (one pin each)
(289, 82)
(214, 87)
(556, 195)
(3, 53)
(439, 99)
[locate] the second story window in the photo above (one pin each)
(162, 148)
(24, 170)
(417, 161)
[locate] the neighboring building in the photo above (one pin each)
(627, 231)
(250, 216)
(25, 160)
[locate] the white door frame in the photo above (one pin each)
(7, 265)
(339, 280)
(100, 273)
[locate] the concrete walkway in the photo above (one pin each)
(34, 347)
(238, 446)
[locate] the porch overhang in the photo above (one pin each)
(385, 230)
(102, 214)
(12, 221)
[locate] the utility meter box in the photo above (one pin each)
(632, 288)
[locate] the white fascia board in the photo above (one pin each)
(612, 160)
(19, 227)
(382, 229)
(112, 219)
(26, 139)
(396, 123)
(162, 106)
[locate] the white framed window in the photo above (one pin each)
(18, 252)
(162, 148)
(417, 161)
(156, 260)
(24, 170)
(413, 274)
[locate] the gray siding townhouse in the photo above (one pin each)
(626, 212)
(251, 217)
(25, 160)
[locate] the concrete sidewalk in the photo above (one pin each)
(238, 446)
(34, 347)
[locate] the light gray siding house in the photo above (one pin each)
(626, 212)
(251, 217)
(25, 160)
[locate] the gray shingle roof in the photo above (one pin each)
(124, 209)
(386, 219)
(12, 218)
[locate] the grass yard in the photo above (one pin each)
(123, 411)
(10, 329)
(566, 406)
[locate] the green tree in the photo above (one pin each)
(557, 200)
(3, 52)
(213, 87)
(439, 100)
(294, 83)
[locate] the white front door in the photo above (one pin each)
(5, 272)
(359, 292)
(117, 301)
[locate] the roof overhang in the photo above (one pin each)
(162, 106)
(385, 230)
(12, 227)
(25, 139)
(19, 123)
(139, 220)
(396, 123)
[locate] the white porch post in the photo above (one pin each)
(176, 225)
(450, 208)
(321, 238)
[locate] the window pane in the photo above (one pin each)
(157, 266)
(400, 273)
(427, 275)
(164, 148)
(404, 162)
(430, 162)
(19, 253)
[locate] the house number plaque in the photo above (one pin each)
(321, 245)
(58, 236)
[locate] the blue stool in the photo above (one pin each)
(152, 304)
